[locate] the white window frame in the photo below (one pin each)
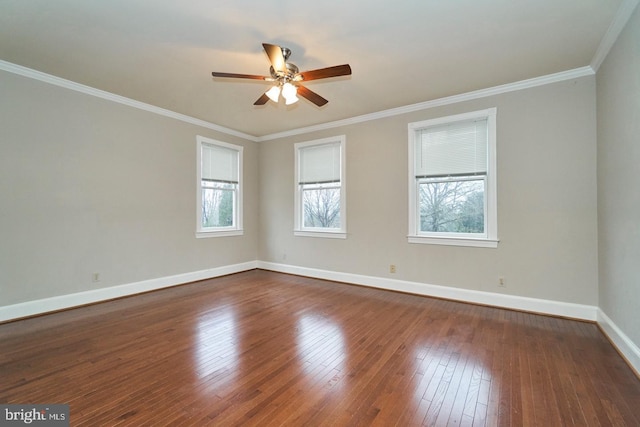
(490, 237)
(299, 229)
(235, 229)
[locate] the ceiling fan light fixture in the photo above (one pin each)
(273, 93)
(289, 92)
(292, 99)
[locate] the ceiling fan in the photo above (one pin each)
(288, 78)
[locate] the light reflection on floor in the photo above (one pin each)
(441, 370)
(321, 348)
(216, 351)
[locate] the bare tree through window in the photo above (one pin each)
(217, 204)
(321, 207)
(452, 206)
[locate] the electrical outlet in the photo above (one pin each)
(392, 268)
(95, 277)
(501, 282)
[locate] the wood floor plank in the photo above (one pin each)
(262, 348)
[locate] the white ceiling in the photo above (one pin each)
(401, 53)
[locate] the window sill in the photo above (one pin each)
(454, 241)
(321, 234)
(218, 233)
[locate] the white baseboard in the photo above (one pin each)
(45, 305)
(621, 341)
(564, 309)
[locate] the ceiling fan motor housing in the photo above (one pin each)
(289, 75)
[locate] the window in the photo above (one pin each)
(452, 180)
(320, 181)
(219, 189)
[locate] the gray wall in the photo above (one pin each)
(547, 204)
(91, 186)
(618, 107)
(88, 185)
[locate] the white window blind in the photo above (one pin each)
(320, 164)
(452, 149)
(219, 164)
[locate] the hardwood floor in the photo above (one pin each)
(263, 348)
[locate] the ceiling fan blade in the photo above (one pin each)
(311, 96)
(239, 76)
(324, 73)
(262, 100)
(274, 53)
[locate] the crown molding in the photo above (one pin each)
(482, 93)
(613, 32)
(621, 18)
(68, 84)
